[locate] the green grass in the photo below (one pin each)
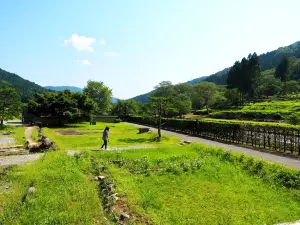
(193, 184)
(201, 185)
(35, 134)
(120, 134)
(18, 133)
(63, 193)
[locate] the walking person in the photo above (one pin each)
(105, 137)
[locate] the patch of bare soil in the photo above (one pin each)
(74, 132)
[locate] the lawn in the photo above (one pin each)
(53, 190)
(84, 136)
(195, 185)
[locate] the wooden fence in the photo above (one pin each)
(282, 139)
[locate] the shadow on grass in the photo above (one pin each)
(139, 140)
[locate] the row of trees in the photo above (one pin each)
(95, 99)
(251, 83)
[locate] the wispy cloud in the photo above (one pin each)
(111, 54)
(81, 43)
(84, 62)
(102, 42)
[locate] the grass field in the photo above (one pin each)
(120, 134)
(169, 185)
(188, 185)
(63, 193)
(16, 132)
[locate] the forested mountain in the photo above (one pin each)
(142, 98)
(267, 61)
(197, 80)
(62, 88)
(26, 88)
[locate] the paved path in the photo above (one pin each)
(18, 159)
(288, 161)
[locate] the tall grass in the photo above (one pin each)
(168, 187)
(63, 194)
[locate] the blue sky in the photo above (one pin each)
(132, 45)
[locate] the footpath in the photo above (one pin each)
(262, 154)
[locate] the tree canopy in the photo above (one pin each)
(100, 94)
(10, 104)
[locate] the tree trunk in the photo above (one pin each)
(159, 121)
(1, 122)
(207, 110)
(159, 127)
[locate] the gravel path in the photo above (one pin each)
(271, 157)
(28, 133)
(6, 140)
(18, 159)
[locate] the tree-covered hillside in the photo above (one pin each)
(267, 61)
(26, 88)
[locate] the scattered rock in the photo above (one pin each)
(101, 177)
(6, 186)
(187, 142)
(31, 190)
(124, 216)
(96, 178)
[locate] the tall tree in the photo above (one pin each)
(160, 100)
(101, 95)
(182, 104)
(283, 71)
(243, 76)
(9, 103)
(207, 91)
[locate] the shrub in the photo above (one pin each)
(294, 119)
(118, 120)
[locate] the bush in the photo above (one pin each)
(294, 119)
(118, 120)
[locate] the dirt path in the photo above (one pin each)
(18, 159)
(28, 135)
(288, 161)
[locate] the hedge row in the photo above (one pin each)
(282, 139)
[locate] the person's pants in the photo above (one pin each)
(104, 144)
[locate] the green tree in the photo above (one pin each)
(126, 107)
(9, 103)
(63, 105)
(182, 104)
(160, 100)
(282, 71)
(207, 91)
(243, 76)
(100, 94)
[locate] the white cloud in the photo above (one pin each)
(111, 54)
(102, 42)
(84, 62)
(81, 43)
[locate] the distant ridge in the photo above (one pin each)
(267, 61)
(62, 88)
